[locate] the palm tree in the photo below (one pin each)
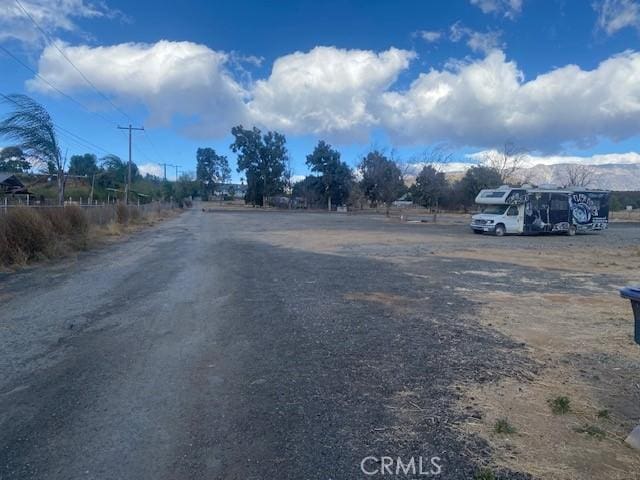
(31, 127)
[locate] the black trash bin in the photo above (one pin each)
(633, 294)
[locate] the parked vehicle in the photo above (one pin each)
(528, 210)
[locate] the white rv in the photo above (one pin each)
(526, 209)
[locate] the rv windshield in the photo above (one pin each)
(494, 209)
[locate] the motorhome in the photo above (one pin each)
(545, 209)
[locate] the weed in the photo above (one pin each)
(604, 413)
(484, 474)
(503, 426)
(592, 431)
(560, 405)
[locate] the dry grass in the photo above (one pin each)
(32, 234)
(572, 418)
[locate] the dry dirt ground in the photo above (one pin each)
(558, 297)
(247, 344)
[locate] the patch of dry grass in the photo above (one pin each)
(32, 234)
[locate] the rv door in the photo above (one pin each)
(513, 219)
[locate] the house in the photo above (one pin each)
(10, 184)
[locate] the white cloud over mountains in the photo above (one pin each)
(344, 94)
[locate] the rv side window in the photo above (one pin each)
(559, 204)
(494, 209)
(512, 212)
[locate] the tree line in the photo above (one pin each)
(378, 180)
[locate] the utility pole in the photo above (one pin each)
(177, 167)
(128, 186)
(165, 165)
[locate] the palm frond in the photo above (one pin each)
(30, 126)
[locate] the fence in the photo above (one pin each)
(97, 213)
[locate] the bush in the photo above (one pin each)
(122, 213)
(24, 235)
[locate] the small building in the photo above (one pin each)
(11, 185)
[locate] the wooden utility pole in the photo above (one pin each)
(127, 188)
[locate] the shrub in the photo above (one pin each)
(484, 474)
(134, 214)
(560, 405)
(503, 426)
(592, 431)
(122, 213)
(25, 235)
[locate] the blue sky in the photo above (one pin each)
(556, 77)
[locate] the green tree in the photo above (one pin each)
(263, 158)
(211, 170)
(86, 164)
(336, 176)
(30, 125)
(311, 189)
(475, 179)
(114, 173)
(12, 159)
(430, 187)
(381, 179)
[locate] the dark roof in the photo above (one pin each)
(9, 178)
(12, 183)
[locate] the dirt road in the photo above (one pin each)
(199, 350)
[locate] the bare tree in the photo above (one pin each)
(508, 161)
(576, 175)
(437, 158)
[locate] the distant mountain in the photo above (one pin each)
(611, 176)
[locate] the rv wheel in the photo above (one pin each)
(572, 230)
(500, 230)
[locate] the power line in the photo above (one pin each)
(85, 78)
(52, 43)
(64, 94)
(79, 104)
(60, 128)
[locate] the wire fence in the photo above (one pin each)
(98, 213)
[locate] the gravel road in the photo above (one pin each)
(194, 350)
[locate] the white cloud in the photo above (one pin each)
(344, 94)
(151, 169)
(486, 102)
(172, 79)
(52, 16)
(482, 42)
(614, 15)
(530, 161)
(508, 8)
(326, 90)
(430, 36)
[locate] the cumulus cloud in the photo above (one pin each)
(487, 101)
(52, 16)
(326, 90)
(344, 94)
(151, 169)
(508, 8)
(482, 42)
(430, 36)
(171, 79)
(614, 15)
